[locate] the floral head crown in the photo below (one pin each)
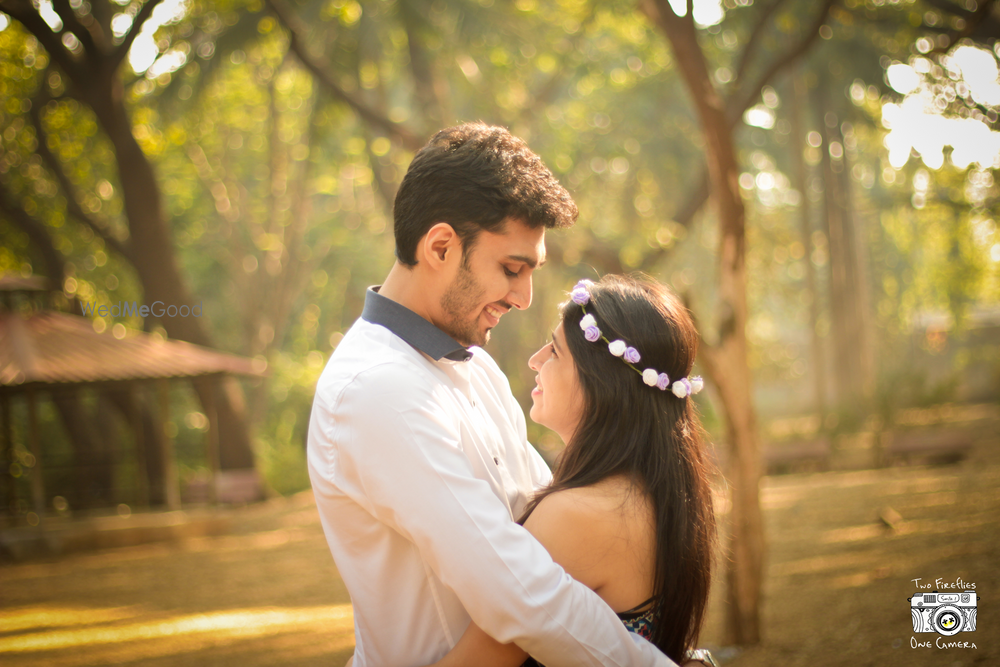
(681, 388)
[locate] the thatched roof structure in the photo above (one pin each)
(48, 347)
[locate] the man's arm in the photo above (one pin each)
(412, 475)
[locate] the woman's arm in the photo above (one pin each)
(570, 526)
(479, 649)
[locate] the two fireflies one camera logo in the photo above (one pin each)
(944, 613)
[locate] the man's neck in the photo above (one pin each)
(404, 286)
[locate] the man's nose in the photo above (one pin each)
(520, 295)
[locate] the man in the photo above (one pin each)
(417, 450)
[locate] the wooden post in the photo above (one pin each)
(7, 455)
(171, 490)
(141, 473)
(34, 443)
(211, 438)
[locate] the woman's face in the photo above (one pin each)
(557, 401)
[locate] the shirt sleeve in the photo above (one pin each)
(407, 468)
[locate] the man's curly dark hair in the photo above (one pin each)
(474, 177)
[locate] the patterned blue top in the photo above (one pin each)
(640, 622)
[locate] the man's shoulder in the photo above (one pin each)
(371, 359)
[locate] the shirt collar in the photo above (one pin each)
(412, 328)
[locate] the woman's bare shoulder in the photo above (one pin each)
(586, 529)
(609, 498)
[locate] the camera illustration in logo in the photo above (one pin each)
(944, 613)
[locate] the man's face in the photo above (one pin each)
(494, 277)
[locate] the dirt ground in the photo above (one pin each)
(836, 592)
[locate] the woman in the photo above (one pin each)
(629, 511)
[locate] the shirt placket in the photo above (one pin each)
(480, 420)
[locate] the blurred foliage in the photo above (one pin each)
(279, 196)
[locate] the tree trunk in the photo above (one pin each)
(151, 253)
(95, 81)
(800, 179)
(852, 346)
(727, 363)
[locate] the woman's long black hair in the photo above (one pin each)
(648, 435)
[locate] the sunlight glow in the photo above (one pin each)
(759, 116)
(764, 181)
(913, 124)
(918, 123)
(4, 22)
(902, 78)
(120, 25)
(979, 70)
(706, 12)
(32, 618)
(49, 15)
(144, 50)
(244, 623)
(171, 61)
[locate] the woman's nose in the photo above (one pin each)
(534, 362)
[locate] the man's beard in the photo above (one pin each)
(460, 302)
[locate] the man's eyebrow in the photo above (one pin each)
(530, 261)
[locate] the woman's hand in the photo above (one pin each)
(699, 657)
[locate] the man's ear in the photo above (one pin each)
(440, 245)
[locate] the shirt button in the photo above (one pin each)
(496, 460)
(473, 402)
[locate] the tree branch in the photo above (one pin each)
(741, 101)
(71, 22)
(22, 12)
(369, 115)
(661, 11)
(685, 214)
(763, 21)
(37, 234)
(953, 9)
(972, 21)
(122, 50)
(72, 203)
(601, 256)
(548, 90)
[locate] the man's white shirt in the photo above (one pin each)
(419, 465)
